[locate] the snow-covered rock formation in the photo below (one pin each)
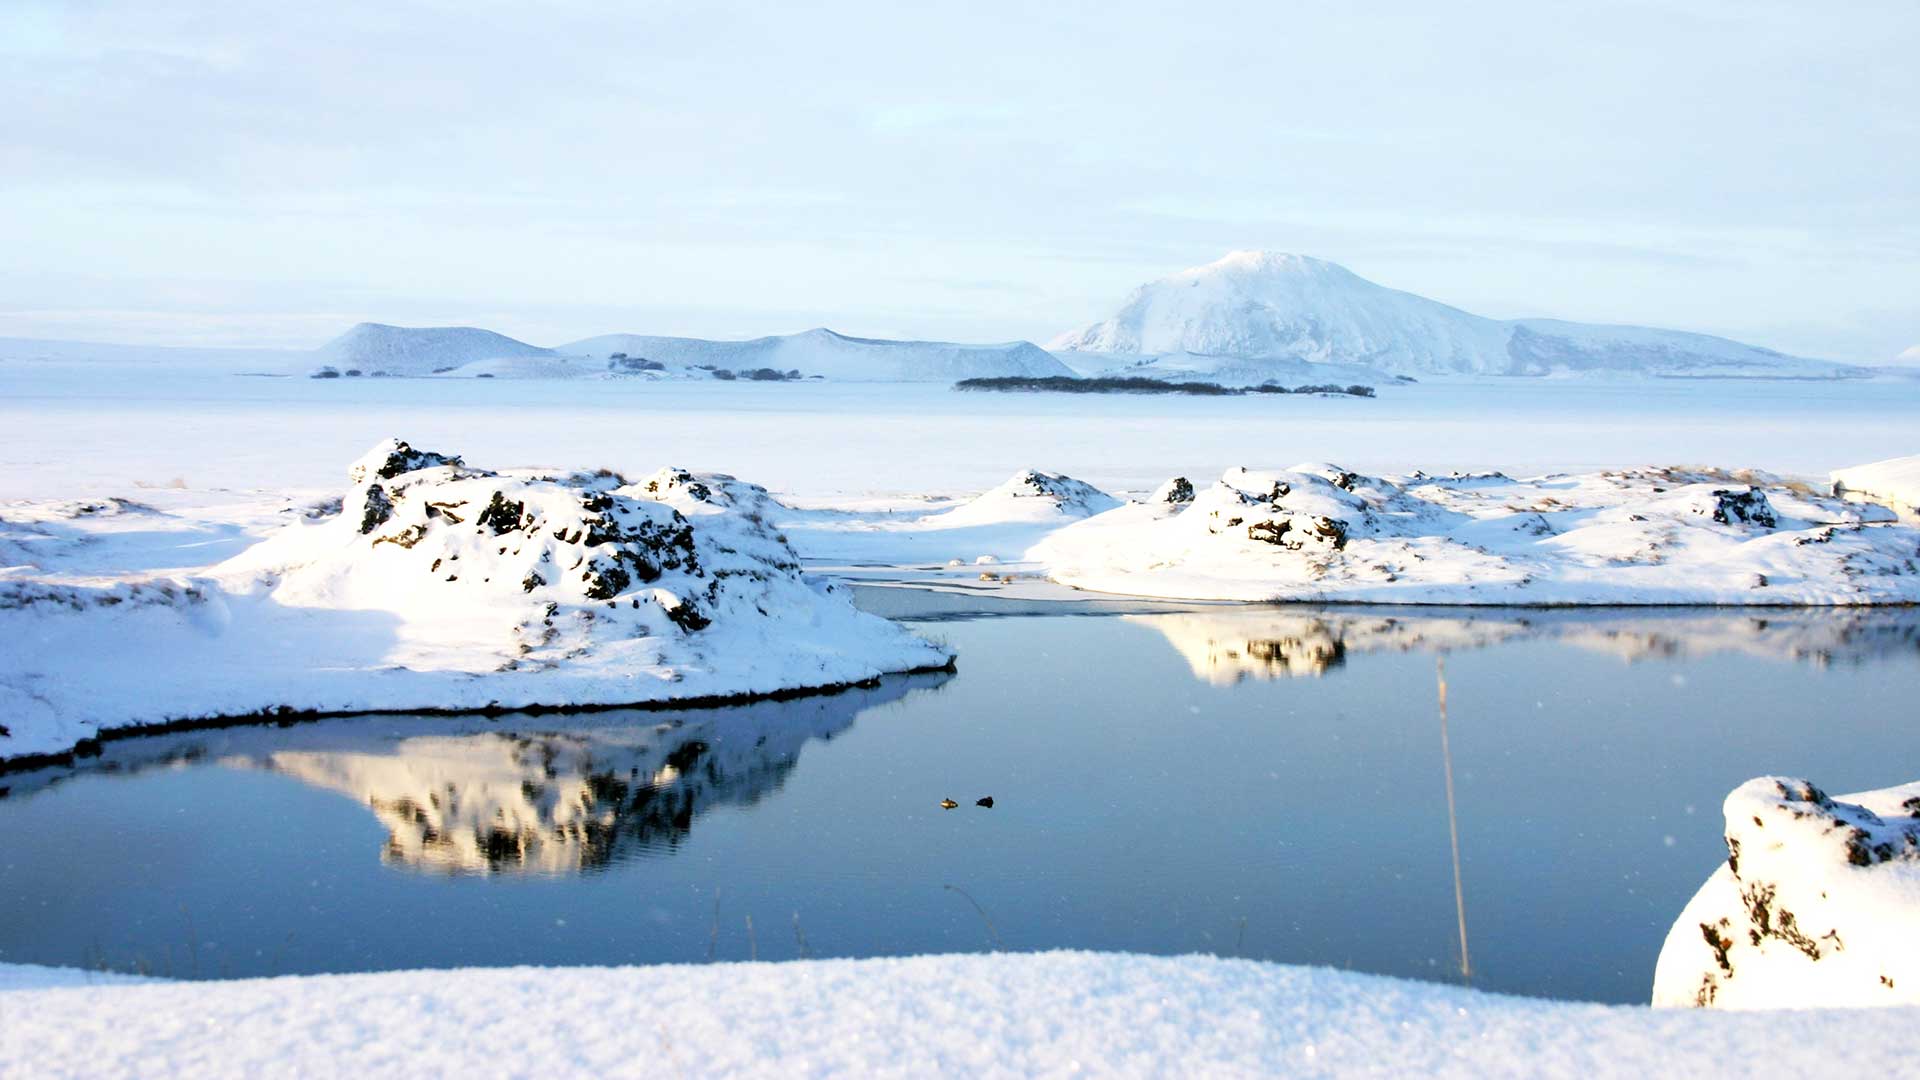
(1818, 904)
(437, 585)
(1256, 306)
(1319, 532)
(1026, 497)
(825, 353)
(1895, 481)
(373, 349)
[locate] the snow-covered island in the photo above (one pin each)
(431, 585)
(1317, 532)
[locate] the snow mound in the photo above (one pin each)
(1896, 481)
(1320, 532)
(834, 356)
(439, 585)
(379, 349)
(1818, 904)
(1263, 311)
(1029, 496)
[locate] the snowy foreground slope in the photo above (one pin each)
(1643, 536)
(1258, 305)
(995, 1015)
(1818, 903)
(431, 584)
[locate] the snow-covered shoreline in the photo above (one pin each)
(596, 592)
(1321, 533)
(1101, 1014)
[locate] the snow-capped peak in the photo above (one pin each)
(1284, 307)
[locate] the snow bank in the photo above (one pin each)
(1648, 536)
(436, 585)
(1817, 904)
(1896, 480)
(1004, 1015)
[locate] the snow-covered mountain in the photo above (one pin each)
(376, 348)
(834, 356)
(1256, 305)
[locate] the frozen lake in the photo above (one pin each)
(92, 431)
(1266, 782)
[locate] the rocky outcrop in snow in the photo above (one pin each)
(440, 585)
(1029, 496)
(1650, 536)
(1818, 904)
(1284, 309)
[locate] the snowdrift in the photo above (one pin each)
(440, 586)
(1038, 1014)
(1650, 536)
(1818, 904)
(1895, 481)
(1277, 310)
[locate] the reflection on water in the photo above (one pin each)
(1226, 645)
(578, 796)
(552, 801)
(1161, 784)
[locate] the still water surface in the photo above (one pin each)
(1258, 782)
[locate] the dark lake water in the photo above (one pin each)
(1265, 782)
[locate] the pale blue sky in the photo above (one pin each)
(227, 173)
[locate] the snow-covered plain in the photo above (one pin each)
(87, 431)
(1048, 1014)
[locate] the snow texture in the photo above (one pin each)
(1257, 305)
(1642, 536)
(1818, 904)
(1047, 1014)
(1895, 481)
(432, 584)
(834, 356)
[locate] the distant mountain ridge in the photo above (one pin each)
(378, 349)
(1259, 305)
(833, 355)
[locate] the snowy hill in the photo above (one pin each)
(1258, 306)
(418, 350)
(834, 356)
